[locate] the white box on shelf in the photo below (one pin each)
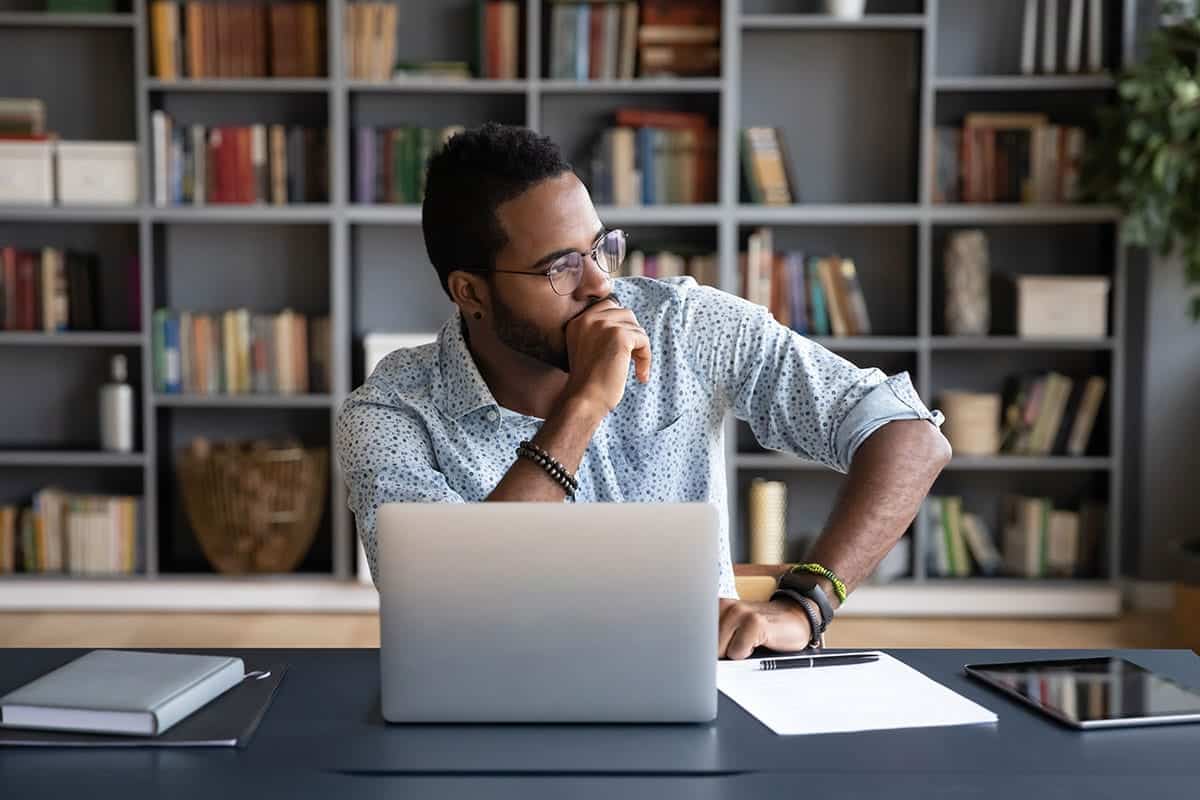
(97, 173)
(1062, 306)
(27, 173)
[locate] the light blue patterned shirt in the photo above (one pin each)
(425, 428)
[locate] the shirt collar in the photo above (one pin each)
(462, 389)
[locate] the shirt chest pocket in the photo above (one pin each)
(652, 465)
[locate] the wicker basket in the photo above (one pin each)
(254, 506)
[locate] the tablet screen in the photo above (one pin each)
(1093, 690)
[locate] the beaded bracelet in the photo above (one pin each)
(551, 465)
(839, 588)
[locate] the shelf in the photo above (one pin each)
(1003, 463)
(383, 213)
(837, 214)
(788, 462)
(1028, 214)
(777, 461)
(826, 22)
(70, 213)
(638, 85)
(239, 85)
(1024, 83)
(243, 401)
(978, 597)
(440, 86)
(69, 458)
(869, 344)
(43, 19)
(70, 339)
(247, 213)
(706, 214)
(1018, 343)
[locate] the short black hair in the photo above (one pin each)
(475, 172)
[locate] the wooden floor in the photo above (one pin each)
(362, 630)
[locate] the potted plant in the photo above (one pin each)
(1146, 158)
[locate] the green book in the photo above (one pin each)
(160, 355)
(756, 193)
(425, 139)
(398, 138)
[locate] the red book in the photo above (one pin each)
(492, 23)
(27, 291)
(228, 165)
(245, 173)
(648, 118)
(8, 265)
(212, 158)
(596, 41)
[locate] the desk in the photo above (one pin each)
(323, 737)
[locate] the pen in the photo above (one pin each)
(805, 662)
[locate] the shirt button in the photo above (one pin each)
(492, 416)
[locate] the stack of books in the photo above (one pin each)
(238, 352)
(1041, 541)
(655, 158)
(48, 290)
(390, 163)
(596, 41)
(672, 263)
(79, 534)
(1007, 158)
(812, 295)
(274, 164)
(1051, 414)
(369, 37)
(212, 39)
(764, 167)
(679, 38)
(959, 542)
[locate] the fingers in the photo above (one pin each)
(740, 630)
(641, 356)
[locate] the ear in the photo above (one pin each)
(469, 292)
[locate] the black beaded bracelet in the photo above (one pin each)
(551, 465)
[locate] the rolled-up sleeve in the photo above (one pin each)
(386, 456)
(796, 395)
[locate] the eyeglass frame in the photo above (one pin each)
(592, 251)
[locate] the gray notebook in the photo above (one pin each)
(120, 691)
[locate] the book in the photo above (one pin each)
(1062, 544)
(122, 692)
(1095, 36)
(1050, 37)
(764, 167)
(230, 720)
(1029, 38)
(980, 544)
(1074, 36)
(1085, 419)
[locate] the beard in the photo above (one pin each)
(521, 335)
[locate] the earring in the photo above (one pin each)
(478, 315)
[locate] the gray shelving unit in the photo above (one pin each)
(862, 174)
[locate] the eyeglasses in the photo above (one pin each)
(566, 272)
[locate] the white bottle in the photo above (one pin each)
(116, 410)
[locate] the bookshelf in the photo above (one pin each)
(906, 66)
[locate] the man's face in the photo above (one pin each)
(553, 218)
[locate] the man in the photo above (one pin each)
(540, 349)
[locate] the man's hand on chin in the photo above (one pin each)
(781, 626)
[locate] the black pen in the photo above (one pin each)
(804, 662)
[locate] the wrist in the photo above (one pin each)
(581, 409)
(792, 627)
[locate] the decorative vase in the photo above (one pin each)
(845, 9)
(966, 268)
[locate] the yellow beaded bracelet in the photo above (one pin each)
(839, 588)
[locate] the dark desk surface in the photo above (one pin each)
(323, 736)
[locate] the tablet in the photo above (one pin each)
(1092, 693)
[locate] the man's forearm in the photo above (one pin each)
(891, 474)
(564, 435)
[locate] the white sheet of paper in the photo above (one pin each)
(883, 695)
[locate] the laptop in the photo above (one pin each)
(548, 612)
